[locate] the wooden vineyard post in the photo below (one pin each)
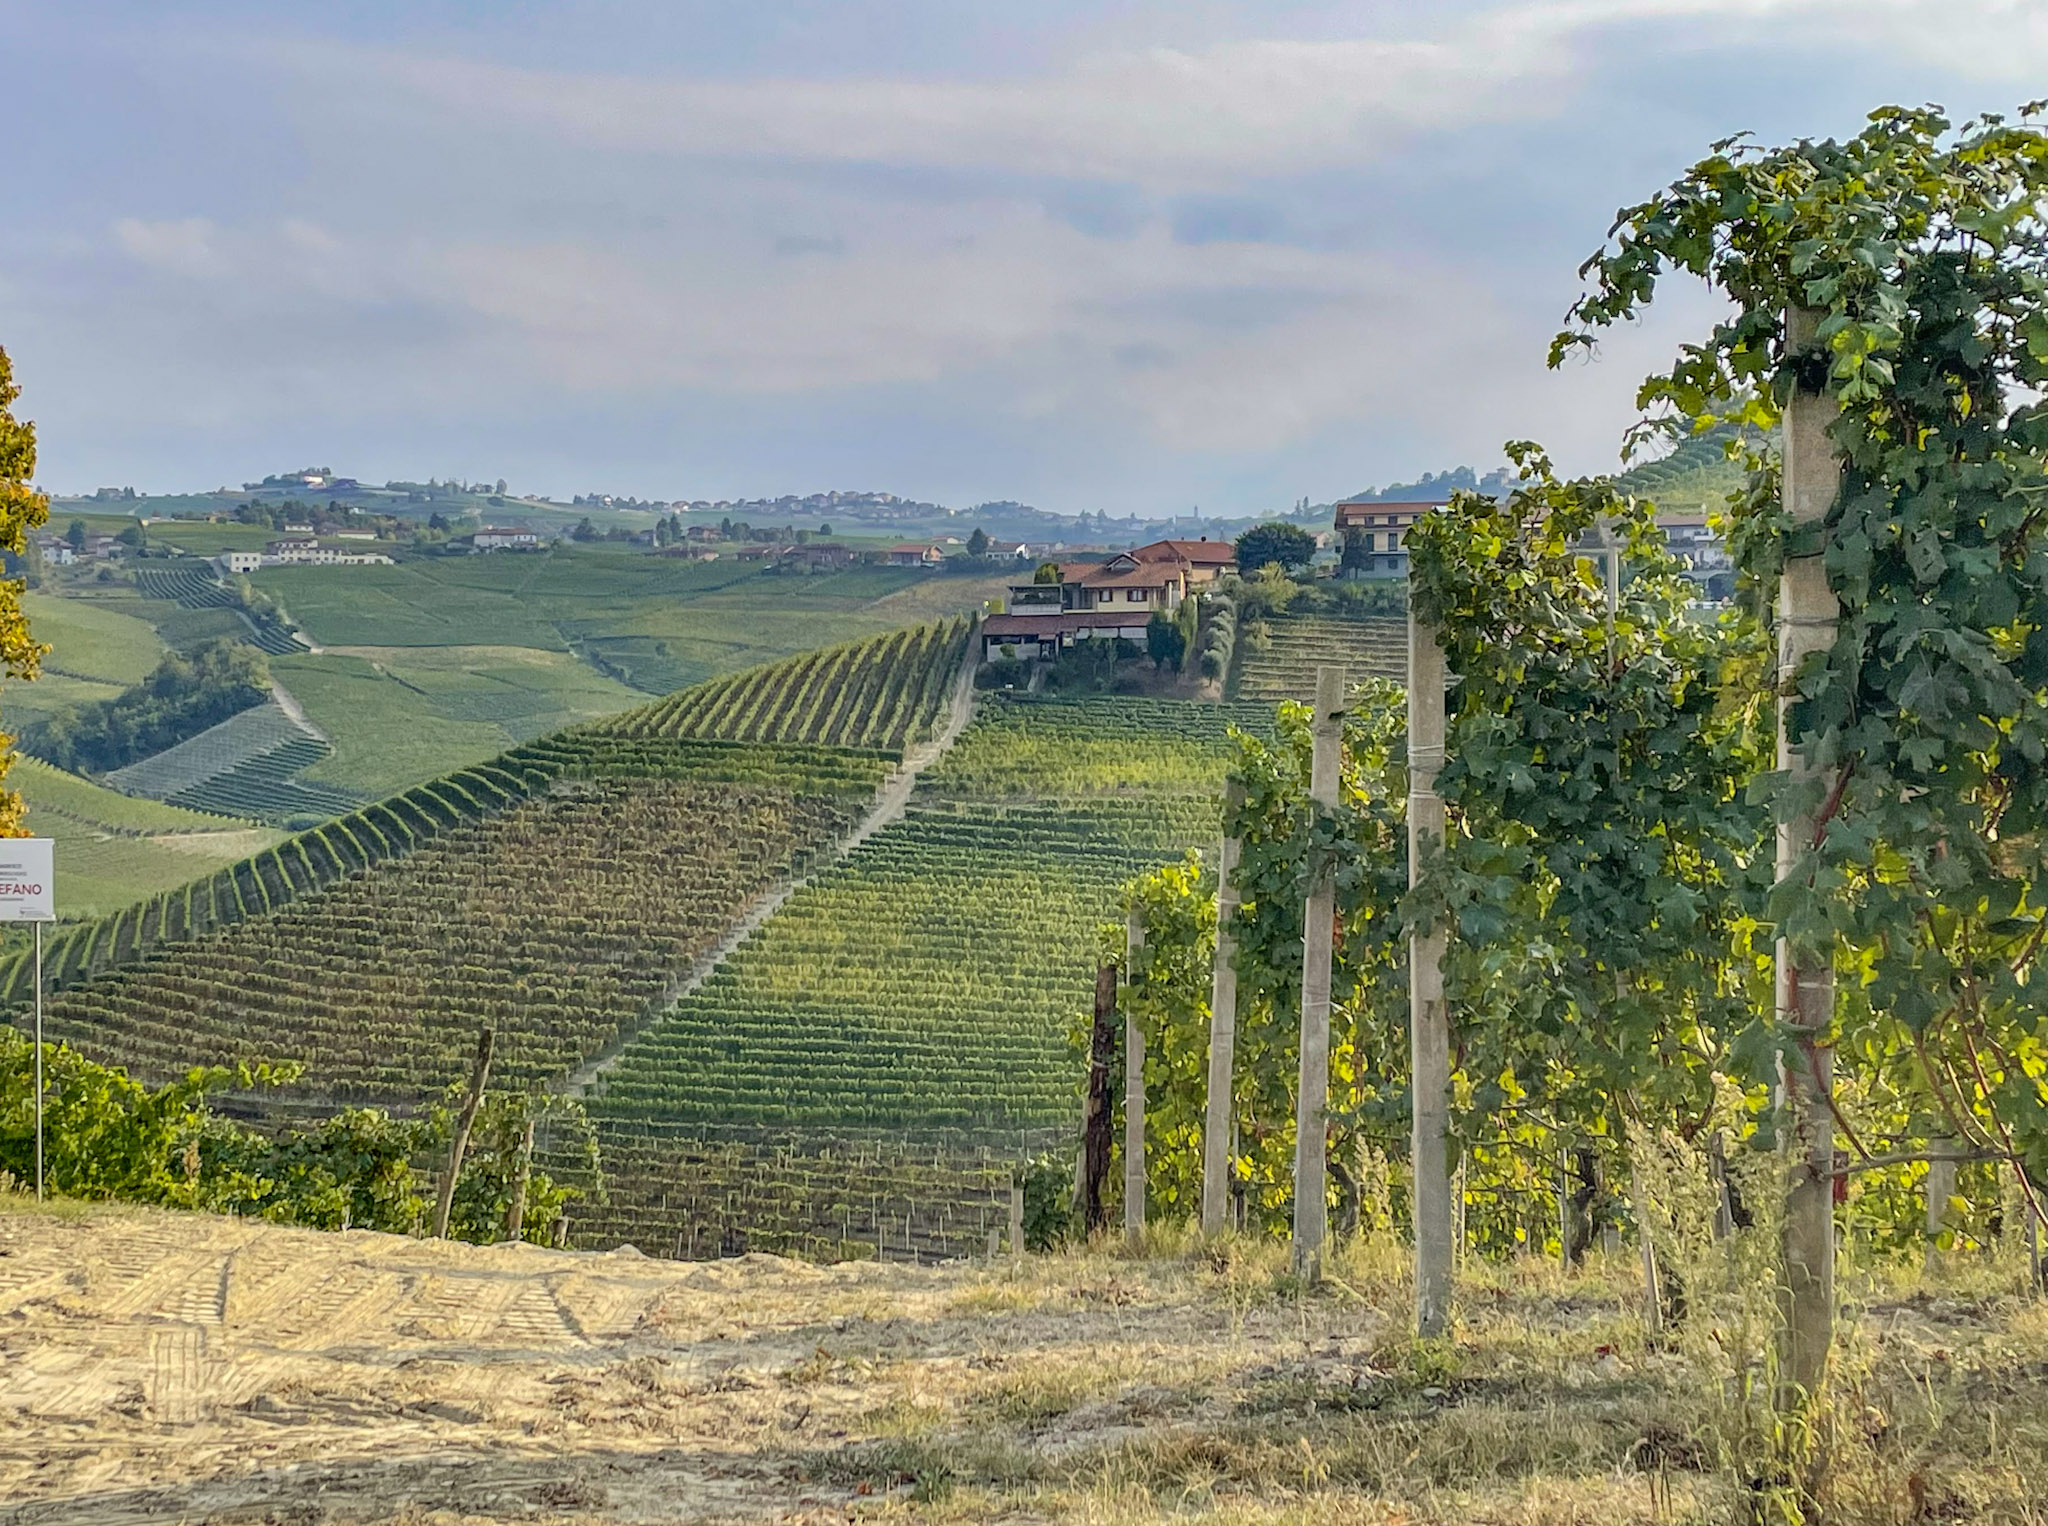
(1134, 1090)
(1095, 1123)
(1653, 1289)
(459, 1144)
(1016, 1221)
(1807, 614)
(1312, 1096)
(1429, 1025)
(522, 1173)
(1216, 1122)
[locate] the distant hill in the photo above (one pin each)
(1695, 476)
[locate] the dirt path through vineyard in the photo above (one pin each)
(889, 804)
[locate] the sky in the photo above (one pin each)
(1124, 256)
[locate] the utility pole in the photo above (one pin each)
(1312, 1096)
(1222, 1023)
(1807, 616)
(1429, 1023)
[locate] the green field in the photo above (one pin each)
(926, 984)
(397, 715)
(91, 640)
(1281, 663)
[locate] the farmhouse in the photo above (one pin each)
(1047, 635)
(820, 557)
(310, 553)
(1107, 600)
(496, 538)
(915, 555)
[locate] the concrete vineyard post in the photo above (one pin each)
(459, 1144)
(1216, 1123)
(1312, 1094)
(1941, 1186)
(1134, 1090)
(1429, 1030)
(1807, 615)
(522, 1173)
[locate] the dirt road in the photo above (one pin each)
(181, 1368)
(158, 1367)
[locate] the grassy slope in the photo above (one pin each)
(397, 715)
(113, 849)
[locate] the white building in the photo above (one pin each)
(494, 539)
(310, 553)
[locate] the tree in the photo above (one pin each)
(22, 509)
(1165, 643)
(1354, 558)
(977, 543)
(1288, 546)
(824, 529)
(1048, 572)
(584, 530)
(74, 534)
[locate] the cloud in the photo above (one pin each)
(1267, 249)
(184, 245)
(1187, 119)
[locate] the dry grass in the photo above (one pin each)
(1205, 1385)
(1188, 1384)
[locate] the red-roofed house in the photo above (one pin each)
(915, 556)
(1100, 601)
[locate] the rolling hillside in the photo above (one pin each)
(917, 993)
(553, 894)
(856, 1075)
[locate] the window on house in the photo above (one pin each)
(1135, 596)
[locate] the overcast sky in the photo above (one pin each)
(1092, 254)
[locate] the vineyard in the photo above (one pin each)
(821, 1199)
(245, 766)
(922, 986)
(189, 587)
(268, 787)
(552, 894)
(884, 692)
(922, 989)
(1283, 666)
(553, 924)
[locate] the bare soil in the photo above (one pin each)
(175, 1367)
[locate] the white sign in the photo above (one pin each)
(28, 879)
